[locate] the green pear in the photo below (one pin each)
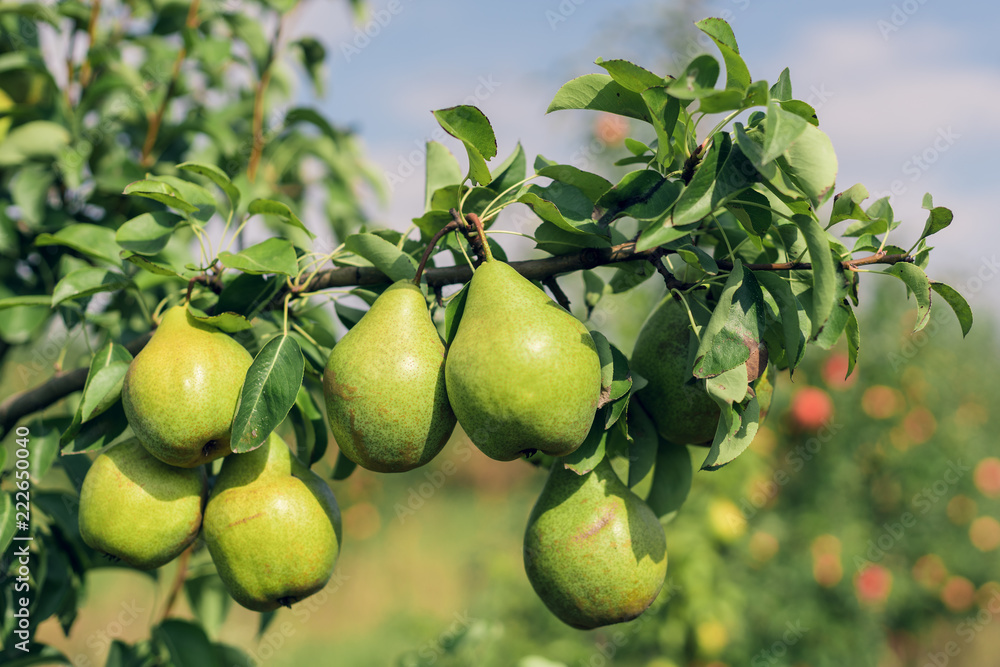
(679, 406)
(181, 390)
(594, 552)
(136, 508)
(523, 374)
(273, 527)
(384, 385)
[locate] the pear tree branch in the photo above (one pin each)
(65, 383)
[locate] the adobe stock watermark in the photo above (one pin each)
(431, 651)
(606, 650)
(921, 503)
(407, 165)
(920, 163)
(795, 460)
(899, 16)
(99, 641)
(363, 35)
(968, 629)
(776, 652)
(274, 639)
(419, 494)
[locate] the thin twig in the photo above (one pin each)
(85, 69)
(450, 227)
(178, 583)
(557, 291)
(157, 119)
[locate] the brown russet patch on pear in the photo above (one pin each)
(601, 522)
(245, 519)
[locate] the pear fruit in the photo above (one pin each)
(594, 552)
(384, 385)
(180, 392)
(522, 373)
(138, 509)
(272, 527)
(679, 406)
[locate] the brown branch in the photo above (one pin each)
(64, 383)
(153, 130)
(258, 125)
(849, 264)
(58, 386)
(85, 69)
(178, 583)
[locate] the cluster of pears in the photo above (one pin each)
(271, 525)
(522, 375)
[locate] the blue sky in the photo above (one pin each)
(909, 91)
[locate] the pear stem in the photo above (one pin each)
(450, 227)
(474, 219)
(179, 577)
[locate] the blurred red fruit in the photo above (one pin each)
(811, 408)
(873, 585)
(958, 594)
(835, 372)
(987, 476)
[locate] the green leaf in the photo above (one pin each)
(96, 434)
(753, 210)
(273, 256)
(586, 457)
(311, 446)
(591, 185)
(343, 468)
(248, 294)
(453, 313)
(470, 126)
(630, 75)
(186, 643)
(348, 316)
(564, 206)
(593, 289)
(268, 393)
(957, 303)
(217, 176)
(938, 218)
(104, 380)
(724, 173)
(736, 431)
(86, 282)
(37, 140)
(161, 192)
(729, 387)
(811, 163)
(442, 170)
(149, 265)
(664, 110)
(276, 208)
(853, 339)
(643, 446)
(148, 233)
(917, 282)
(226, 321)
(383, 255)
(847, 205)
(90, 240)
(39, 654)
(782, 88)
(697, 258)
(8, 525)
(510, 172)
(599, 92)
(737, 74)
(788, 308)
(698, 79)
(643, 194)
(781, 130)
(209, 600)
(27, 300)
(672, 477)
(823, 270)
(734, 328)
